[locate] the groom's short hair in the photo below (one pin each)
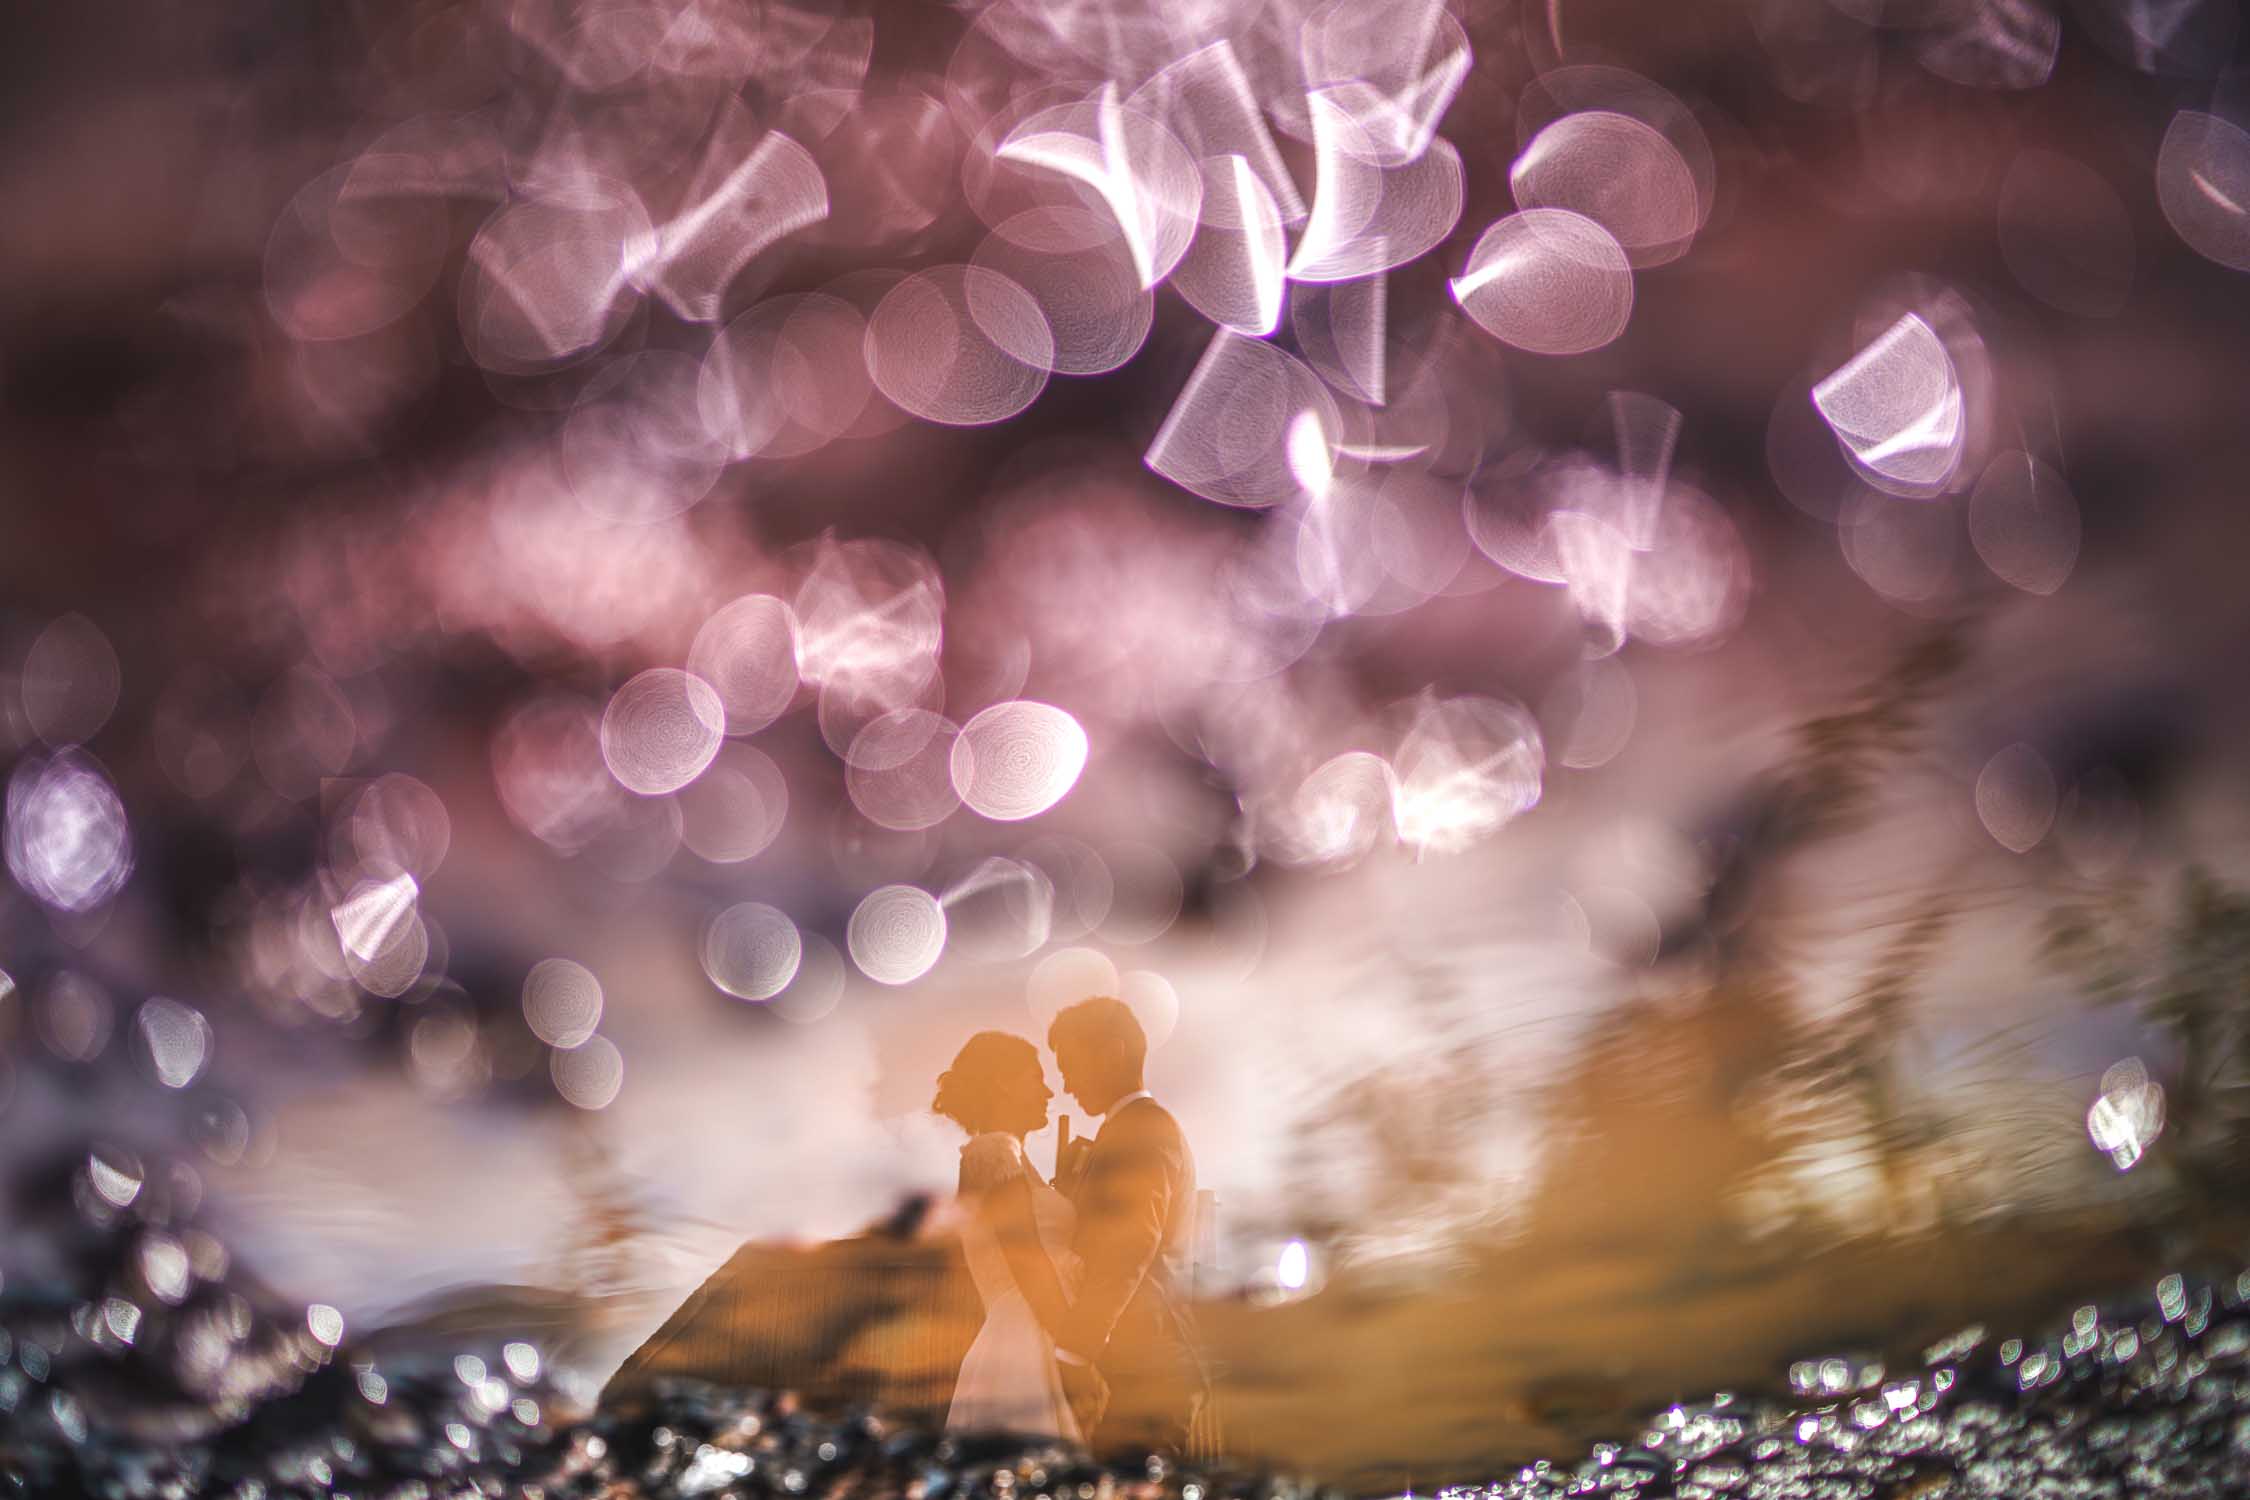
(1106, 1026)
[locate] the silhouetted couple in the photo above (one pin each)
(1086, 1336)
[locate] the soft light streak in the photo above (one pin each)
(1466, 768)
(734, 210)
(999, 911)
(1896, 407)
(1408, 61)
(1371, 210)
(1207, 100)
(1996, 44)
(549, 276)
(1234, 273)
(1138, 168)
(1227, 436)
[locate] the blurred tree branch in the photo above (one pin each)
(2187, 975)
(1765, 1080)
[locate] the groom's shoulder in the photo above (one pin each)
(1145, 1119)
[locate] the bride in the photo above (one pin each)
(1016, 1236)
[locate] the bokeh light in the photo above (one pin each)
(1226, 437)
(2128, 1115)
(960, 345)
(1133, 165)
(1895, 406)
(896, 934)
(68, 842)
(1094, 314)
(384, 940)
(70, 681)
(1145, 894)
(898, 769)
(747, 652)
(548, 764)
(325, 1323)
(590, 1075)
(2024, 523)
(1548, 281)
(2203, 186)
(1015, 760)
(736, 808)
(1464, 768)
(175, 1041)
(1376, 202)
(1155, 1003)
(562, 1002)
(1492, 578)
(752, 951)
(816, 989)
(660, 730)
(1617, 172)
(1065, 977)
(2015, 797)
(397, 825)
(999, 910)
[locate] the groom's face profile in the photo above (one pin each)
(1099, 1048)
(1070, 1061)
(1087, 1075)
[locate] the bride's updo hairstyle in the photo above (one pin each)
(987, 1063)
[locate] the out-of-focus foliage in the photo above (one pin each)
(2184, 970)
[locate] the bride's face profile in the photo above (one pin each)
(996, 1083)
(1019, 1101)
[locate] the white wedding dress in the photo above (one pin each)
(1009, 1379)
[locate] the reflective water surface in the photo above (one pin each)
(1616, 625)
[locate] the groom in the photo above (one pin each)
(1127, 1348)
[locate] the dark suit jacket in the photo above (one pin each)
(1136, 1210)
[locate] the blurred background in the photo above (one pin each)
(1619, 623)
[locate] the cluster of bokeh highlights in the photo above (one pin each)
(686, 240)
